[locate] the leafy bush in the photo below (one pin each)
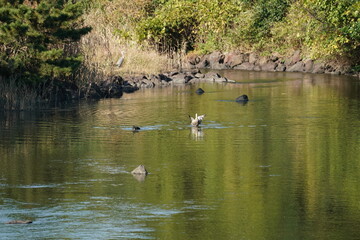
(323, 29)
(266, 13)
(172, 25)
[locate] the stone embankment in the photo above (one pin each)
(273, 63)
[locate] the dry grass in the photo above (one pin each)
(102, 47)
(143, 62)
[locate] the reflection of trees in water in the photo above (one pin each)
(318, 137)
(31, 140)
(343, 85)
(29, 127)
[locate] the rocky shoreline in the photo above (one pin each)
(272, 63)
(115, 86)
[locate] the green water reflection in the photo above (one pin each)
(283, 166)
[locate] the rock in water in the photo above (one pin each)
(200, 91)
(19, 222)
(242, 98)
(140, 170)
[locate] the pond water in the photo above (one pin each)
(286, 165)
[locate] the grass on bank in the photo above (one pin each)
(102, 47)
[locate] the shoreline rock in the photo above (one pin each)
(272, 63)
(116, 86)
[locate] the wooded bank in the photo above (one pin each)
(80, 41)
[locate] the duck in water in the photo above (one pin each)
(135, 128)
(19, 222)
(197, 120)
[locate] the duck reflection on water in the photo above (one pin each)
(197, 133)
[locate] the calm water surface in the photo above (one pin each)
(286, 165)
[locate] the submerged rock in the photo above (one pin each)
(140, 177)
(200, 91)
(242, 98)
(140, 170)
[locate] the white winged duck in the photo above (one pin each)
(197, 120)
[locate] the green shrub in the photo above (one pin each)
(36, 41)
(322, 29)
(172, 25)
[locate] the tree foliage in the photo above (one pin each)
(173, 23)
(37, 37)
(338, 23)
(210, 25)
(320, 28)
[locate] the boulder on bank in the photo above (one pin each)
(193, 59)
(130, 89)
(308, 65)
(112, 87)
(280, 68)
(215, 77)
(216, 60)
(245, 66)
(296, 57)
(297, 67)
(274, 63)
(269, 66)
(116, 86)
(233, 59)
(179, 78)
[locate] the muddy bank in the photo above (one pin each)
(273, 63)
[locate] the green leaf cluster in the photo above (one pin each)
(322, 28)
(210, 25)
(172, 23)
(319, 28)
(37, 39)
